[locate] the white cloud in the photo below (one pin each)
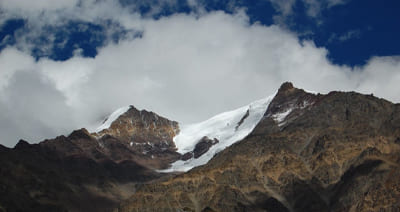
(36, 5)
(185, 67)
(380, 77)
(31, 108)
(67, 76)
(12, 61)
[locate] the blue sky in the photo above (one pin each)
(66, 64)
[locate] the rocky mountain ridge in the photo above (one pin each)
(87, 171)
(71, 173)
(333, 152)
(294, 151)
(146, 133)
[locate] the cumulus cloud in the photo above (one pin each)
(48, 23)
(31, 107)
(186, 67)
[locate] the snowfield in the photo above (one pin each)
(228, 127)
(224, 127)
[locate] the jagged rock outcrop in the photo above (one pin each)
(141, 126)
(202, 146)
(146, 133)
(310, 152)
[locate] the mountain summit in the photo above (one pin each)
(183, 146)
(309, 152)
(292, 151)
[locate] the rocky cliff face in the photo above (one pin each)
(149, 135)
(310, 152)
(141, 126)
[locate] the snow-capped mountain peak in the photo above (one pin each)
(194, 145)
(224, 130)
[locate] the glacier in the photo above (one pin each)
(228, 128)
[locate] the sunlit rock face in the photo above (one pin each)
(146, 133)
(333, 152)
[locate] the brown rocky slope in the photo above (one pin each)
(334, 152)
(84, 171)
